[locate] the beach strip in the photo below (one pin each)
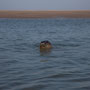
(45, 14)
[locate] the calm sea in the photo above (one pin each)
(65, 67)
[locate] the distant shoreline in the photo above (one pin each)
(45, 14)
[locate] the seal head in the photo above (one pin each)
(45, 45)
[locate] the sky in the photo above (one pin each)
(44, 4)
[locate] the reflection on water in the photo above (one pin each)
(45, 52)
(44, 60)
(23, 66)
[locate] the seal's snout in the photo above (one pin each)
(45, 45)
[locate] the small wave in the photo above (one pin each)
(34, 87)
(66, 45)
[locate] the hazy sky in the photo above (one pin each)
(44, 4)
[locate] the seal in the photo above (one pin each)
(45, 45)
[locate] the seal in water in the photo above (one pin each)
(45, 45)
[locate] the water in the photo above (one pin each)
(65, 67)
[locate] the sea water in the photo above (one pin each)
(65, 67)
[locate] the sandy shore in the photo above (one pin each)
(45, 14)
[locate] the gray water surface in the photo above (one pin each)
(65, 67)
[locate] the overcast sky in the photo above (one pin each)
(44, 4)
